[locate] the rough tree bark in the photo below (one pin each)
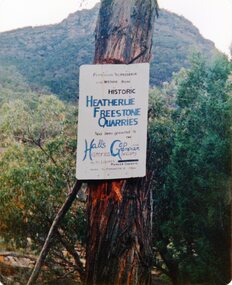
(120, 211)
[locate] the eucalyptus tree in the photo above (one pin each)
(119, 247)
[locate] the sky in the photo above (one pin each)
(212, 17)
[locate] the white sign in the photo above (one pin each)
(112, 123)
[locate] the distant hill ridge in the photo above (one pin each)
(48, 57)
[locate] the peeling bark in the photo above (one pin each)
(119, 211)
(124, 31)
(119, 247)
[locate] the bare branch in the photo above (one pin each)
(60, 215)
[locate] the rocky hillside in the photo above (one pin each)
(48, 57)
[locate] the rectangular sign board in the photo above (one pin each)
(112, 121)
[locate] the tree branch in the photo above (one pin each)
(71, 250)
(60, 215)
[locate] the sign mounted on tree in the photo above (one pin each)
(112, 123)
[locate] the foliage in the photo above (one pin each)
(49, 57)
(188, 163)
(36, 174)
(192, 206)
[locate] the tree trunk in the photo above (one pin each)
(124, 31)
(120, 211)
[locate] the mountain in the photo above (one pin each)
(48, 57)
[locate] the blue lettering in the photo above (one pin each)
(96, 110)
(102, 122)
(117, 147)
(89, 149)
(89, 102)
